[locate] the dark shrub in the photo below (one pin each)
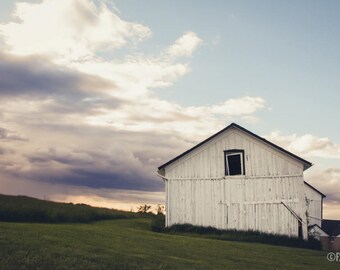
(158, 223)
(245, 236)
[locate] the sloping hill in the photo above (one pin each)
(27, 209)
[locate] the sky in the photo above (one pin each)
(95, 95)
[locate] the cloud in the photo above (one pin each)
(72, 30)
(114, 167)
(49, 89)
(41, 78)
(328, 180)
(185, 45)
(307, 145)
(188, 122)
(5, 151)
(241, 106)
(89, 157)
(135, 76)
(93, 122)
(123, 153)
(6, 135)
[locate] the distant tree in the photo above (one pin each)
(160, 209)
(144, 208)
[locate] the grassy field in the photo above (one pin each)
(129, 244)
(54, 235)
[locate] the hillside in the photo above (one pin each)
(27, 209)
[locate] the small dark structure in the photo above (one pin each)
(328, 234)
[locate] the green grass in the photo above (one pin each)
(27, 209)
(51, 236)
(129, 244)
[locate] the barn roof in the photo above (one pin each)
(306, 164)
(318, 191)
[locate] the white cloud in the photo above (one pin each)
(68, 30)
(307, 145)
(185, 45)
(241, 106)
(155, 115)
(135, 76)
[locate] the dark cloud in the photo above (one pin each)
(4, 151)
(95, 177)
(38, 77)
(115, 167)
(67, 91)
(66, 158)
(7, 135)
(119, 180)
(64, 150)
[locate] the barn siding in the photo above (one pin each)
(199, 193)
(255, 206)
(314, 207)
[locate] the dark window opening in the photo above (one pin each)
(234, 162)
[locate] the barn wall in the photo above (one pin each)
(237, 203)
(314, 206)
(207, 161)
(199, 193)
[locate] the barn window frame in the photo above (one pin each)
(234, 152)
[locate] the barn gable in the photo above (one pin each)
(261, 157)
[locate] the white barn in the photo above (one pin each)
(238, 180)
